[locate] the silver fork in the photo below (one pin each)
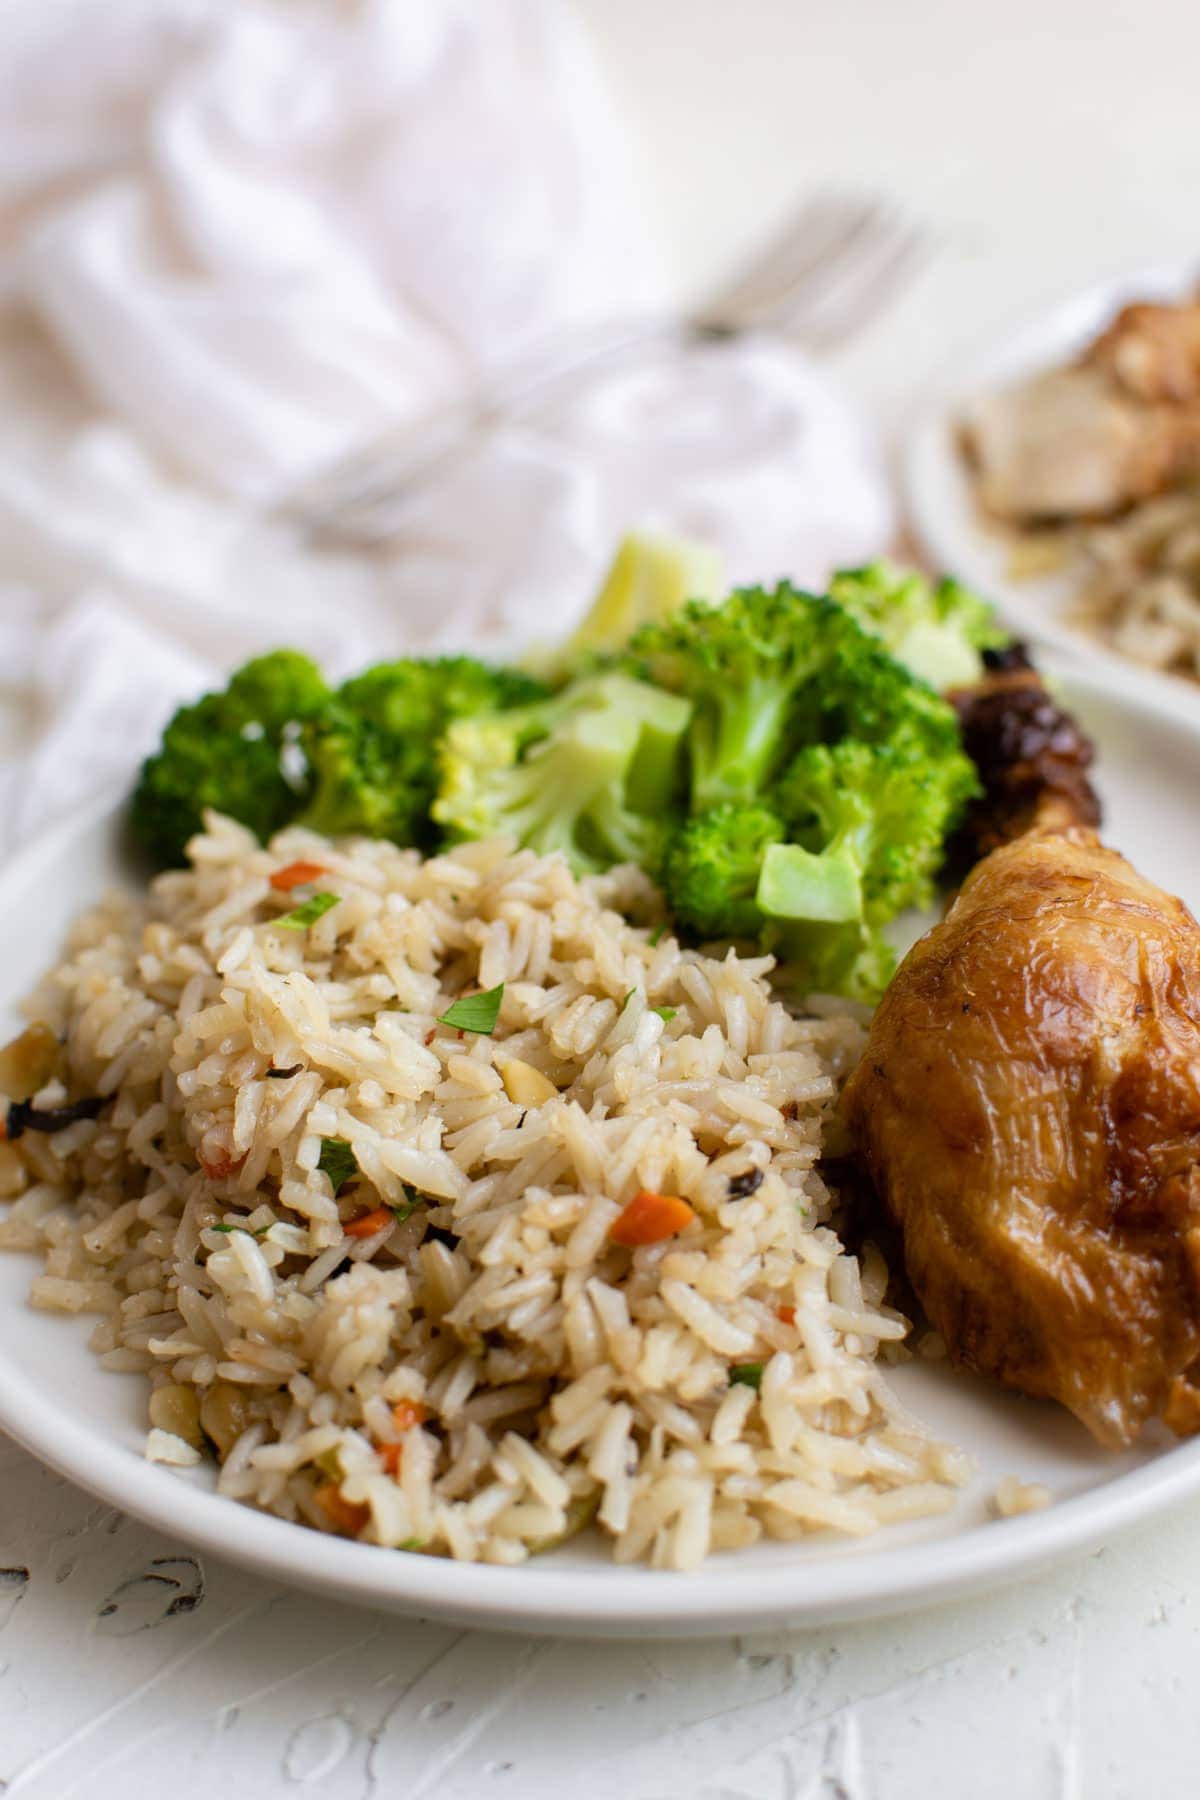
(836, 262)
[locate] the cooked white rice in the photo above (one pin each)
(560, 1376)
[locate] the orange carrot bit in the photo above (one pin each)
(405, 1414)
(786, 1313)
(342, 1513)
(295, 875)
(649, 1218)
(367, 1224)
(218, 1167)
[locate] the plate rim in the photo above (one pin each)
(1026, 339)
(606, 1599)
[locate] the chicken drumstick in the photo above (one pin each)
(1028, 1107)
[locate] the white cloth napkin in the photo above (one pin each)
(236, 240)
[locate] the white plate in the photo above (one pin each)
(90, 1425)
(939, 501)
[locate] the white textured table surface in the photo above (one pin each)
(128, 1668)
(1046, 143)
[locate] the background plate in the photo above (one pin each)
(90, 1425)
(939, 501)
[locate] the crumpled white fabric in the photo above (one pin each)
(262, 230)
(239, 237)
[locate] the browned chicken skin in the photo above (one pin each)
(1028, 1107)
(1031, 756)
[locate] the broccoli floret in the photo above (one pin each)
(824, 779)
(853, 960)
(852, 836)
(593, 772)
(712, 867)
(742, 665)
(936, 629)
(373, 754)
(771, 671)
(648, 580)
(865, 825)
(235, 751)
(886, 807)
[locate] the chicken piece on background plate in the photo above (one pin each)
(1153, 351)
(1085, 441)
(1072, 444)
(1028, 1107)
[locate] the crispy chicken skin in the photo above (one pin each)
(1028, 1107)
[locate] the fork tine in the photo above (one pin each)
(829, 268)
(847, 264)
(365, 476)
(801, 238)
(842, 277)
(821, 318)
(820, 229)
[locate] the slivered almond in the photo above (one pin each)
(525, 1085)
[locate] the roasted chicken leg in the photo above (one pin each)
(1028, 1107)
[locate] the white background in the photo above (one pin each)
(1045, 142)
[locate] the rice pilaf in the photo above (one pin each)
(368, 1256)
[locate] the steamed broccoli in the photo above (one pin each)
(712, 866)
(851, 959)
(887, 807)
(373, 753)
(733, 873)
(649, 579)
(743, 665)
(772, 670)
(592, 771)
(935, 629)
(850, 835)
(236, 751)
(784, 775)
(866, 825)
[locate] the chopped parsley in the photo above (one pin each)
(665, 1013)
(746, 1375)
(408, 1206)
(261, 1232)
(475, 1012)
(314, 908)
(338, 1161)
